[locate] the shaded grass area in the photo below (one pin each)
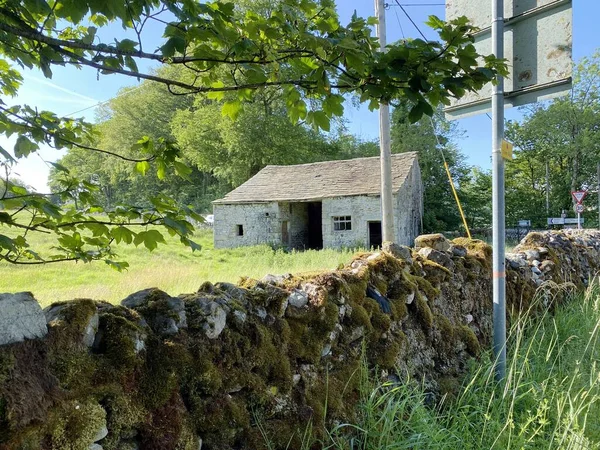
(551, 398)
(171, 267)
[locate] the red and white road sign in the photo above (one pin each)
(579, 196)
(578, 208)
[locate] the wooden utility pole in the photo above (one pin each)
(387, 205)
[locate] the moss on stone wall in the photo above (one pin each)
(232, 364)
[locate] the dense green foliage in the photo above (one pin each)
(231, 56)
(557, 151)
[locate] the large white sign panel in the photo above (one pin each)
(538, 42)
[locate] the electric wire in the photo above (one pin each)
(400, 24)
(410, 18)
(105, 101)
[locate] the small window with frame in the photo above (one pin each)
(239, 229)
(342, 223)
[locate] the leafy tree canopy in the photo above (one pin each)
(557, 150)
(296, 46)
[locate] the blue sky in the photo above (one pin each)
(73, 90)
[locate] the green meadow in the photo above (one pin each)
(171, 267)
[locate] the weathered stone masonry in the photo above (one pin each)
(199, 370)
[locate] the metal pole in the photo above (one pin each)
(499, 273)
(387, 207)
(547, 188)
(579, 221)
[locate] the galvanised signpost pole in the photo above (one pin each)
(538, 49)
(498, 204)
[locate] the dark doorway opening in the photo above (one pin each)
(315, 226)
(285, 234)
(375, 235)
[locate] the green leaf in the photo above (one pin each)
(193, 245)
(232, 109)
(183, 170)
(297, 111)
(142, 167)
(333, 105)
(161, 169)
(417, 111)
(127, 45)
(173, 45)
(97, 229)
(89, 37)
(51, 210)
(19, 190)
(320, 120)
(435, 22)
(7, 243)
(150, 238)
(59, 167)
(122, 234)
(218, 96)
(179, 226)
(131, 64)
(7, 155)
(23, 147)
(117, 265)
(5, 217)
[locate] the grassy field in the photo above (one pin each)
(172, 268)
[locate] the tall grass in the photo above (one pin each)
(550, 398)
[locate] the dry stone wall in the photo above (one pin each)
(225, 366)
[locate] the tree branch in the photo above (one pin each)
(30, 125)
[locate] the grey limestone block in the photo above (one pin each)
(21, 317)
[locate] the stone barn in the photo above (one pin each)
(329, 204)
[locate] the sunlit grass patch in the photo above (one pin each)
(171, 267)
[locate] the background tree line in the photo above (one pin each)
(556, 151)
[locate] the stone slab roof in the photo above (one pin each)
(306, 182)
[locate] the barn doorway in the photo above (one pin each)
(375, 234)
(315, 226)
(285, 234)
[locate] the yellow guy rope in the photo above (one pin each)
(462, 214)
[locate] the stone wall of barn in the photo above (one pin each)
(260, 223)
(361, 209)
(409, 207)
(232, 366)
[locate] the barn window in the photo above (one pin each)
(240, 230)
(342, 223)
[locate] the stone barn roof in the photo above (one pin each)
(306, 182)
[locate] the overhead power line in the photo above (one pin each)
(421, 4)
(105, 101)
(400, 25)
(410, 18)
